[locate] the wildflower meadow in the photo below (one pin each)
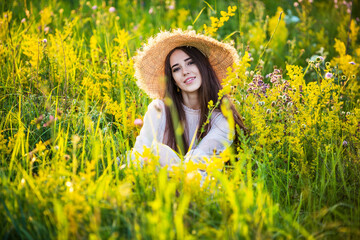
(70, 111)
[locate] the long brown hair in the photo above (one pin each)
(208, 90)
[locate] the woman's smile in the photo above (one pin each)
(189, 80)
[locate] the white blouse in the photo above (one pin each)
(152, 133)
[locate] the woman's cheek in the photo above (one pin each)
(176, 77)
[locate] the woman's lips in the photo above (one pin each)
(189, 80)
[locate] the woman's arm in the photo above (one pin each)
(217, 140)
(152, 129)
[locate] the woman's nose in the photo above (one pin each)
(185, 71)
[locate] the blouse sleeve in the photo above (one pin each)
(217, 140)
(151, 129)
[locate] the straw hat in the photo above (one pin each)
(150, 61)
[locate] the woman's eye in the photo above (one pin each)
(191, 62)
(175, 69)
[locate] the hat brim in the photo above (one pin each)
(150, 62)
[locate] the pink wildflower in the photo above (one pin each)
(328, 75)
(138, 122)
(112, 9)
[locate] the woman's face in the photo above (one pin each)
(185, 72)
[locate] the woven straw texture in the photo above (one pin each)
(150, 61)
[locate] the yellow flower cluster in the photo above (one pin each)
(216, 23)
(237, 74)
(347, 70)
(354, 31)
(182, 15)
(7, 145)
(344, 62)
(289, 115)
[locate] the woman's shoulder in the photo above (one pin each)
(220, 124)
(219, 120)
(217, 116)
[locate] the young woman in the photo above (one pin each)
(182, 72)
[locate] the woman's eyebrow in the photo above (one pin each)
(174, 65)
(178, 64)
